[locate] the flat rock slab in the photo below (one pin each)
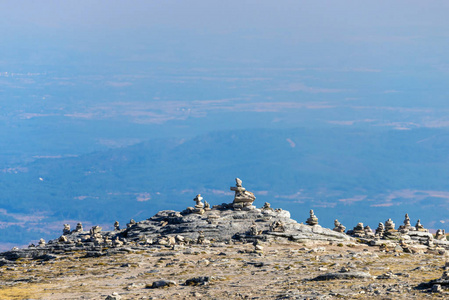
(343, 275)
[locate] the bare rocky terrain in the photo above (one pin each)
(234, 251)
(284, 271)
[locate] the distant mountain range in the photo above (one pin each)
(354, 175)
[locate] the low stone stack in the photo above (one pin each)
(420, 227)
(440, 235)
(66, 229)
(338, 227)
(79, 227)
(390, 231)
(368, 232)
(380, 230)
(358, 230)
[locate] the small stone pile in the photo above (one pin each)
(338, 227)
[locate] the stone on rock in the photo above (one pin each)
(131, 223)
(66, 229)
(95, 230)
(277, 226)
(206, 206)
(267, 206)
(201, 238)
(343, 275)
(41, 242)
(202, 280)
(116, 226)
(161, 284)
(420, 227)
(436, 288)
(114, 296)
(79, 227)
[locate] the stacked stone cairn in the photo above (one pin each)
(199, 206)
(267, 206)
(66, 229)
(420, 227)
(79, 227)
(407, 226)
(368, 232)
(440, 235)
(358, 230)
(116, 226)
(243, 200)
(390, 231)
(338, 227)
(312, 220)
(131, 223)
(380, 230)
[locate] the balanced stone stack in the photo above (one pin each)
(338, 226)
(407, 226)
(358, 231)
(79, 227)
(390, 231)
(368, 232)
(199, 206)
(389, 225)
(380, 230)
(312, 220)
(440, 235)
(420, 227)
(66, 229)
(242, 198)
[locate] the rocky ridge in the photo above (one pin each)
(254, 233)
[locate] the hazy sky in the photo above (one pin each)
(335, 62)
(337, 33)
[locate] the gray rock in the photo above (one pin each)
(161, 284)
(114, 296)
(203, 280)
(343, 275)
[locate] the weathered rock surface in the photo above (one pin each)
(343, 275)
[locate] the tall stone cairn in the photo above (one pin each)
(242, 198)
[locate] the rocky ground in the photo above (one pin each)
(281, 270)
